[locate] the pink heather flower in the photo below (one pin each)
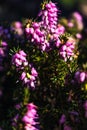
(32, 84)
(25, 63)
(35, 34)
(18, 24)
(70, 24)
(58, 42)
(31, 114)
(30, 117)
(21, 52)
(23, 75)
(62, 119)
(80, 76)
(17, 27)
(29, 30)
(77, 16)
(45, 32)
(24, 78)
(3, 44)
(3, 48)
(67, 50)
(78, 35)
(29, 79)
(79, 21)
(29, 120)
(2, 53)
(60, 30)
(49, 16)
(19, 59)
(31, 106)
(20, 62)
(35, 25)
(26, 81)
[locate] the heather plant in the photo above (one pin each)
(43, 72)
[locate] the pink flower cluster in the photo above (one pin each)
(19, 60)
(3, 52)
(67, 50)
(37, 35)
(80, 76)
(49, 17)
(31, 118)
(78, 20)
(56, 34)
(46, 31)
(27, 76)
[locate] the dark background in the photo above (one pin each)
(11, 10)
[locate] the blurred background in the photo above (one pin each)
(11, 10)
